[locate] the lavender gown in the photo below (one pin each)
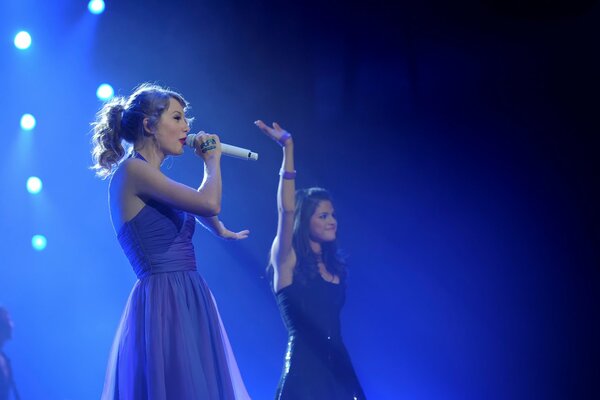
(170, 344)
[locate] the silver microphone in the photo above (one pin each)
(227, 149)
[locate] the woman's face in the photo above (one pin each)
(172, 128)
(323, 225)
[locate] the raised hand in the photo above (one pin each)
(276, 132)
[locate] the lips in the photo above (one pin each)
(182, 141)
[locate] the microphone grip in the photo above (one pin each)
(227, 149)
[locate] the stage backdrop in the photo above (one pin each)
(460, 143)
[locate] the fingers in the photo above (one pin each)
(266, 128)
(206, 142)
(263, 127)
(228, 235)
(204, 137)
(243, 234)
(275, 132)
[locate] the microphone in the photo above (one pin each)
(227, 149)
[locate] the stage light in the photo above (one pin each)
(22, 40)
(39, 242)
(27, 122)
(34, 185)
(96, 6)
(105, 92)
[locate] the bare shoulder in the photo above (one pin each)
(137, 174)
(123, 173)
(129, 178)
(139, 179)
(133, 167)
(124, 200)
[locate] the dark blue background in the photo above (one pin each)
(460, 142)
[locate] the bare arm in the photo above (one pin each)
(212, 186)
(214, 225)
(282, 253)
(146, 181)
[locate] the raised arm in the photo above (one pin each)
(282, 252)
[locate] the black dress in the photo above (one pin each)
(317, 365)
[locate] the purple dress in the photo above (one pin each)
(170, 343)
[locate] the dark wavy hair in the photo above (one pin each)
(120, 124)
(307, 201)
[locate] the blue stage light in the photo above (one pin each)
(34, 185)
(27, 122)
(96, 6)
(105, 92)
(39, 242)
(22, 40)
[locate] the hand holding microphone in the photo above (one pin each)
(211, 143)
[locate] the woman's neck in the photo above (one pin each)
(316, 248)
(151, 154)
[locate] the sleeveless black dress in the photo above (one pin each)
(317, 365)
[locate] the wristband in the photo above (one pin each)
(287, 174)
(284, 138)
